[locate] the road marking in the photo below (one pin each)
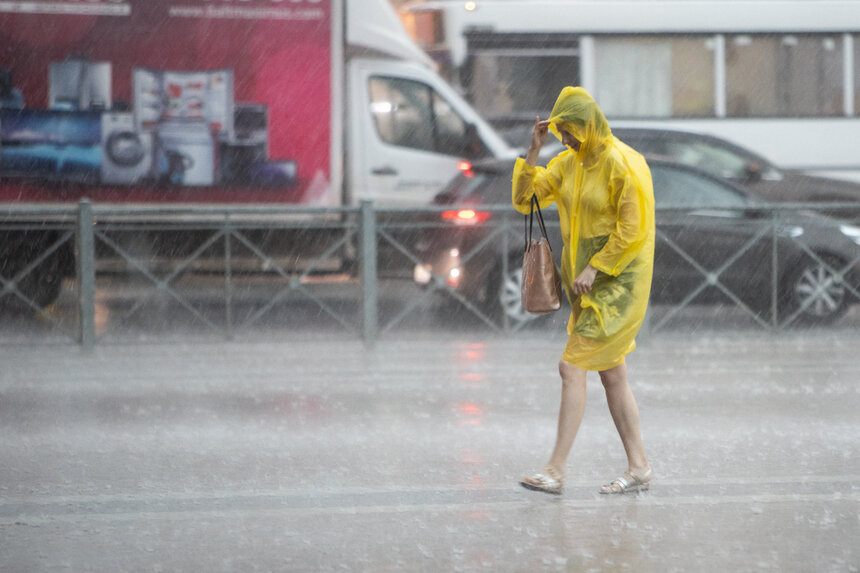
(358, 490)
(513, 505)
(41, 513)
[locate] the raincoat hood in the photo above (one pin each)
(576, 112)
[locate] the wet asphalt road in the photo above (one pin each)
(312, 453)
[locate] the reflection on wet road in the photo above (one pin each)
(312, 453)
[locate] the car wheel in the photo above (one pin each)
(813, 291)
(508, 300)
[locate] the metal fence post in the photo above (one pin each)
(228, 275)
(506, 249)
(369, 282)
(774, 269)
(86, 271)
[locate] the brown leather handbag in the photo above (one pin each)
(541, 288)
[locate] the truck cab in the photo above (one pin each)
(408, 131)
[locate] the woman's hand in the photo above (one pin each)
(539, 135)
(585, 280)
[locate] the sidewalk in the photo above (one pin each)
(317, 454)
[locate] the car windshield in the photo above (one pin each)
(460, 187)
(715, 157)
(680, 188)
(716, 160)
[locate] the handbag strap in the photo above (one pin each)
(535, 208)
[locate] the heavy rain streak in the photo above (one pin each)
(390, 285)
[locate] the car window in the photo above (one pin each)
(646, 145)
(716, 160)
(681, 188)
(411, 114)
(462, 186)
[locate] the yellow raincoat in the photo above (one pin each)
(606, 206)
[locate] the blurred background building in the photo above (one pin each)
(764, 73)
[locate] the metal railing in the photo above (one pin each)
(369, 248)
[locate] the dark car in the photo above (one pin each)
(716, 243)
(740, 166)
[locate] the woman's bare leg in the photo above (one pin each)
(625, 414)
(571, 411)
(569, 418)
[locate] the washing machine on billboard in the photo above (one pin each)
(128, 154)
(185, 154)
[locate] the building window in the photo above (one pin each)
(787, 76)
(655, 76)
(506, 85)
(514, 76)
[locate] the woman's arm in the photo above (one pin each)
(635, 218)
(540, 132)
(529, 179)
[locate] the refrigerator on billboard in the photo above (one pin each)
(188, 113)
(79, 84)
(184, 97)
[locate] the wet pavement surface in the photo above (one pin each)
(313, 453)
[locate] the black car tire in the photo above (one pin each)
(810, 286)
(505, 294)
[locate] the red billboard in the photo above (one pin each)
(195, 101)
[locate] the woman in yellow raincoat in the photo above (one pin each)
(605, 201)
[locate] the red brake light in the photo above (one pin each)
(465, 216)
(466, 169)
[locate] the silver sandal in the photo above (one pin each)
(548, 482)
(628, 483)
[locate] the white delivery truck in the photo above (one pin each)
(213, 102)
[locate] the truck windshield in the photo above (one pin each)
(409, 113)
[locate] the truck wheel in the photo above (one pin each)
(813, 287)
(43, 284)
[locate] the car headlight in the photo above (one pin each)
(794, 231)
(851, 232)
